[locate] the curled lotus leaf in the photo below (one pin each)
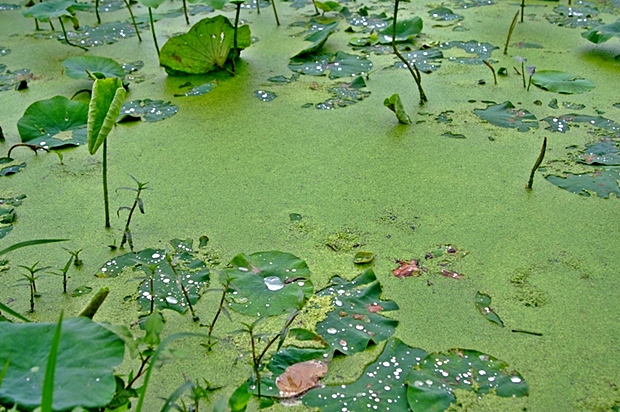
(77, 67)
(561, 82)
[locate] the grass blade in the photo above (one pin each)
(47, 397)
(29, 243)
(176, 395)
(12, 312)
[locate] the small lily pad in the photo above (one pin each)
(10, 80)
(581, 15)
(345, 94)
(81, 291)
(54, 122)
(483, 302)
(444, 14)
(105, 33)
(11, 170)
(338, 65)
(600, 34)
(199, 90)
(354, 321)
(146, 110)
(426, 61)
(431, 383)
(267, 283)
(564, 122)
(602, 182)
(507, 115)
(101, 67)
(482, 51)
(406, 30)
(362, 258)
(264, 95)
(561, 82)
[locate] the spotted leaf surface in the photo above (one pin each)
(355, 319)
(507, 115)
(432, 382)
(380, 388)
(267, 283)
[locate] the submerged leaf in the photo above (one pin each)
(44, 122)
(561, 82)
(105, 105)
(77, 67)
(206, 47)
(506, 115)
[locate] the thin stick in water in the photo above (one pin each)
(541, 156)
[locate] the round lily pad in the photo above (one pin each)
(146, 110)
(54, 122)
(101, 67)
(561, 82)
(361, 258)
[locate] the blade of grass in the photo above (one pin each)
(12, 312)
(29, 243)
(176, 395)
(47, 396)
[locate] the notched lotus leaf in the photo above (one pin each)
(602, 182)
(561, 82)
(146, 110)
(338, 65)
(406, 30)
(318, 39)
(46, 122)
(600, 34)
(206, 47)
(84, 374)
(301, 377)
(431, 383)
(77, 67)
(351, 326)
(382, 384)
(507, 115)
(199, 90)
(267, 283)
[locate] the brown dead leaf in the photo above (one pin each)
(406, 269)
(301, 377)
(451, 274)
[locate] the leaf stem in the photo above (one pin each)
(153, 30)
(64, 32)
(133, 20)
(106, 202)
(510, 30)
(541, 156)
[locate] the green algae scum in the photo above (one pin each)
(301, 246)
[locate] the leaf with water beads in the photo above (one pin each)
(199, 90)
(267, 283)
(338, 65)
(483, 302)
(77, 67)
(482, 51)
(406, 30)
(106, 33)
(507, 115)
(381, 386)
(602, 182)
(351, 325)
(318, 39)
(11, 80)
(146, 110)
(432, 381)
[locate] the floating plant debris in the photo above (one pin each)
(338, 65)
(351, 325)
(264, 95)
(301, 377)
(453, 135)
(580, 16)
(482, 51)
(431, 383)
(444, 14)
(77, 67)
(451, 274)
(407, 269)
(382, 384)
(345, 94)
(205, 47)
(561, 82)
(147, 110)
(199, 90)
(507, 115)
(11, 80)
(266, 283)
(27, 346)
(426, 61)
(483, 303)
(106, 33)
(54, 122)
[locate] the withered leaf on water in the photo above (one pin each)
(300, 377)
(451, 274)
(406, 269)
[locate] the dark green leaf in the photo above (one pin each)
(101, 67)
(482, 51)
(53, 122)
(341, 64)
(47, 397)
(395, 104)
(406, 30)
(318, 39)
(29, 243)
(602, 182)
(506, 115)
(54, 8)
(561, 82)
(206, 47)
(10, 80)
(240, 398)
(600, 34)
(199, 90)
(87, 356)
(146, 110)
(354, 320)
(11, 170)
(105, 105)
(483, 302)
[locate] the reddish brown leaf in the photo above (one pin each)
(300, 377)
(406, 269)
(451, 274)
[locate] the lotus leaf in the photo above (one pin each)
(146, 110)
(206, 47)
(483, 302)
(575, 16)
(354, 320)
(431, 382)
(341, 64)
(10, 80)
(105, 105)
(54, 122)
(604, 153)
(11, 170)
(444, 14)
(106, 33)
(506, 115)
(602, 182)
(366, 22)
(382, 384)
(267, 283)
(318, 39)
(54, 8)
(101, 67)
(426, 61)
(327, 6)
(199, 90)
(345, 94)
(561, 82)
(396, 105)
(406, 30)
(87, 356)
(482, 50)
(563, 123)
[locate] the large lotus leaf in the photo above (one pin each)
(205, 47)
(105, 105)
(506, 115)
(354, 320)
(146, 110)
(561, 82)
(432, 381)
(87, 356)
(318, 39)
(267, 283)
(54, 8)
(54, 122)
(381, 386)
(600, 34)
(602, 182)
(406, 30)
(341, 64)
(101, 67)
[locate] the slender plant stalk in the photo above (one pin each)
(106, 201)
(127, 236)
(217, 314)
(488, 64)
(235, 44)
(133, 20)
(29, 243)
(541, 156)
(182, 286)
(523, 74)
(415, 73)
(64, 32)
(95, 303)
(185, 11)
(47, 391)
(97, 11)
(279, 335)
(275, 12)
(522, 9)
(255, 363)
(51, 25)
(257, 6)
(153, 30)
(32, 147)
(510, 30)
(316, 9)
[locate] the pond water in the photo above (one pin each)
(258, 165)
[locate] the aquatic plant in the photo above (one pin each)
(31, 276)
(105, 105)
(510, 30)
(127, 235)
(396, 105)
(61, 9)
(173, 262)
(153, 4)
(63, 272)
